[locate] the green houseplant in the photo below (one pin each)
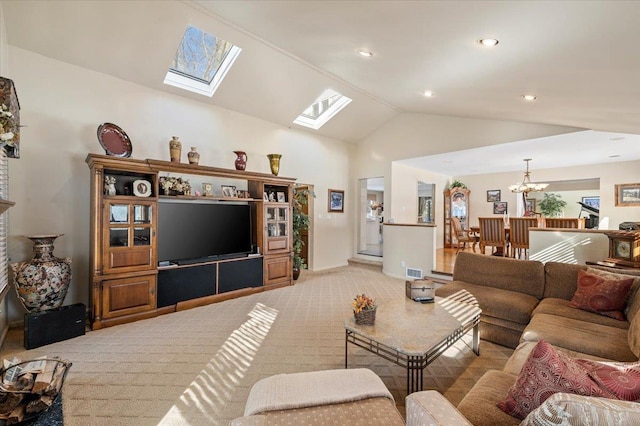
(552, 204)
(301, 222)
(458, 184)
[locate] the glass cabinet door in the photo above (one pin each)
(130, 224)
(277, 227)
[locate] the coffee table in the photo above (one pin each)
(412, 335)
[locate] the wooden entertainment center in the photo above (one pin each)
(127, 284)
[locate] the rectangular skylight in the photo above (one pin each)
(328, 104)
(201, 63)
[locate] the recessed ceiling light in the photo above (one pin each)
(366, 53)
(428, 93)
(529, 98)
(488, 42)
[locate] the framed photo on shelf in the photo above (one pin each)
(281, 197)
(500, 207)
(493, 195)
(592, 201)
(628, 194)
(229, 191)
(265, 197)
(336, 201)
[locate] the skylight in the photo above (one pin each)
(322, 109)
(201, 63)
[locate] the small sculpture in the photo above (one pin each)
(109, 185)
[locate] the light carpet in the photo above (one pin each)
(196, 367)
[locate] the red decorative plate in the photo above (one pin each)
(114, 140)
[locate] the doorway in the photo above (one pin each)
(307, 235)
(371, 216)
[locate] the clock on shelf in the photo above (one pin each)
(624, 248)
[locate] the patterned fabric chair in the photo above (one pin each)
(492, 233)
(462, 236)
(564, 222)
(519, 234)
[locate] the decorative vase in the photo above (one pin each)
(241, 160)
(274, 162)
(296, 273)
(193, 156)
(42, 282)
(175, 149)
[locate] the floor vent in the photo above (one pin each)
(414, 273)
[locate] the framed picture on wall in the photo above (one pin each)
(531, 205)
(628, 194)
(592, 202)
(499, 207)
(493, 195)
(336, 201)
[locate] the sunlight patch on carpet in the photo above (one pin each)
(207, 395)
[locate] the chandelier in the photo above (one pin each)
(526, 185)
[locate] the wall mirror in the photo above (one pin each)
(426, 202)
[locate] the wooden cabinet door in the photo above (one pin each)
(127, 296)
(128, 236)
(277, 228)
(277, 270)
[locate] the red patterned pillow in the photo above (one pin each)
(602, 296)
(620, 380)
(546, 372)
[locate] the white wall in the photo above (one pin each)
(62, 106)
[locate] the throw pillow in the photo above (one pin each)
(546, 372)
(602, 296)
(572, 410)
(633, 302)
(619, 379)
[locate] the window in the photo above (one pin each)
(201, 63)
(322, 109)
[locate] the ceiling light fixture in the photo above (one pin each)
(488, 42)
(366, 53)
(428, 93)
(529, 98)
(526, 186)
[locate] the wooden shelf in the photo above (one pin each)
(194, 197)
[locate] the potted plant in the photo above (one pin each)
(458, 184)
(301, 222)
(552, 204)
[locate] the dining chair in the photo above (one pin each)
(492, 233)
(519, 234)
(564, 222)
(462, 235)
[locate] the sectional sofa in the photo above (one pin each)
(524, 302)
(526, 305)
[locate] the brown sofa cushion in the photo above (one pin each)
(495, 302)
(581, 336)
(561, 279)
(524, 276)
(561, 308)
(479, 405)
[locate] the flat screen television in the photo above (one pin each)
(191, 231)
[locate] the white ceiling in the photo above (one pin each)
(580, 58)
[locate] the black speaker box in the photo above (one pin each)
(56, 325)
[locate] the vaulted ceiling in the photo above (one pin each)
(581, 58)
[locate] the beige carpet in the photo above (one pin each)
(196, 367)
